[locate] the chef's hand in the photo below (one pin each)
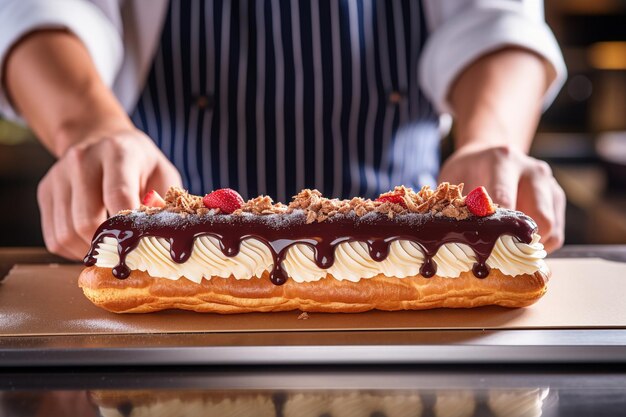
(104, 163)
(104, 173)
(513, 180)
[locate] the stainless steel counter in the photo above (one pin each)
(316, 392)
(323, 347)
(383, 374)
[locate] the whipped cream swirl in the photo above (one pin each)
(352, 259)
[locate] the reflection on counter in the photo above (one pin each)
(519, 402)
(404, 391)
(44, 404)
(530, 402)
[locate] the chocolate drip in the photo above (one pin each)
(376, 230)
(480, 270)
(429, 267)
(378, 249)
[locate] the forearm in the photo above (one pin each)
(53, 83)
(498, 99)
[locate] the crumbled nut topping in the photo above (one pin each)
(179, 201)
(446, 200)
(262, 204)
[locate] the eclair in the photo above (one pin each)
(405, 250)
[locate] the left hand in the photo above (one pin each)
(514, 180)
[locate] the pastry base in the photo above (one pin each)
(142, 293)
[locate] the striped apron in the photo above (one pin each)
(272, 96)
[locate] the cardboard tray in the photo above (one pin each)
(43, 314)
(37, 300)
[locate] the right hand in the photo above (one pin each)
(104, 173)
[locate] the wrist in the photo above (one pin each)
(498, 148)
(486, 128)
(97, 114)
(491, 137)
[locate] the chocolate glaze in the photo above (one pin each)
(376, 230)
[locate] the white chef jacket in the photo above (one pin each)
(122, 36)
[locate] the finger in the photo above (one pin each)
(65, 233)
(453, 175)
(87, 207)
(551, 244)
(120, 182)
(560, 202)
(504, 176)
(44, 199)
(448, 171)
(536, 199)
(162, 178)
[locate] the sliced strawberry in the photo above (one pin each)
(394, 197)
(225, 199)
(479, 202)
(153, 199)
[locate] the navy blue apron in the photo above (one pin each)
(272, 96)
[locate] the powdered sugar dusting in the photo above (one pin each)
(102, 325)
(13, 320)
(143, 221)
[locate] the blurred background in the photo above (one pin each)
(583, 134)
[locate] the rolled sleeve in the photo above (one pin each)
(466, 33)
(82, 18)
